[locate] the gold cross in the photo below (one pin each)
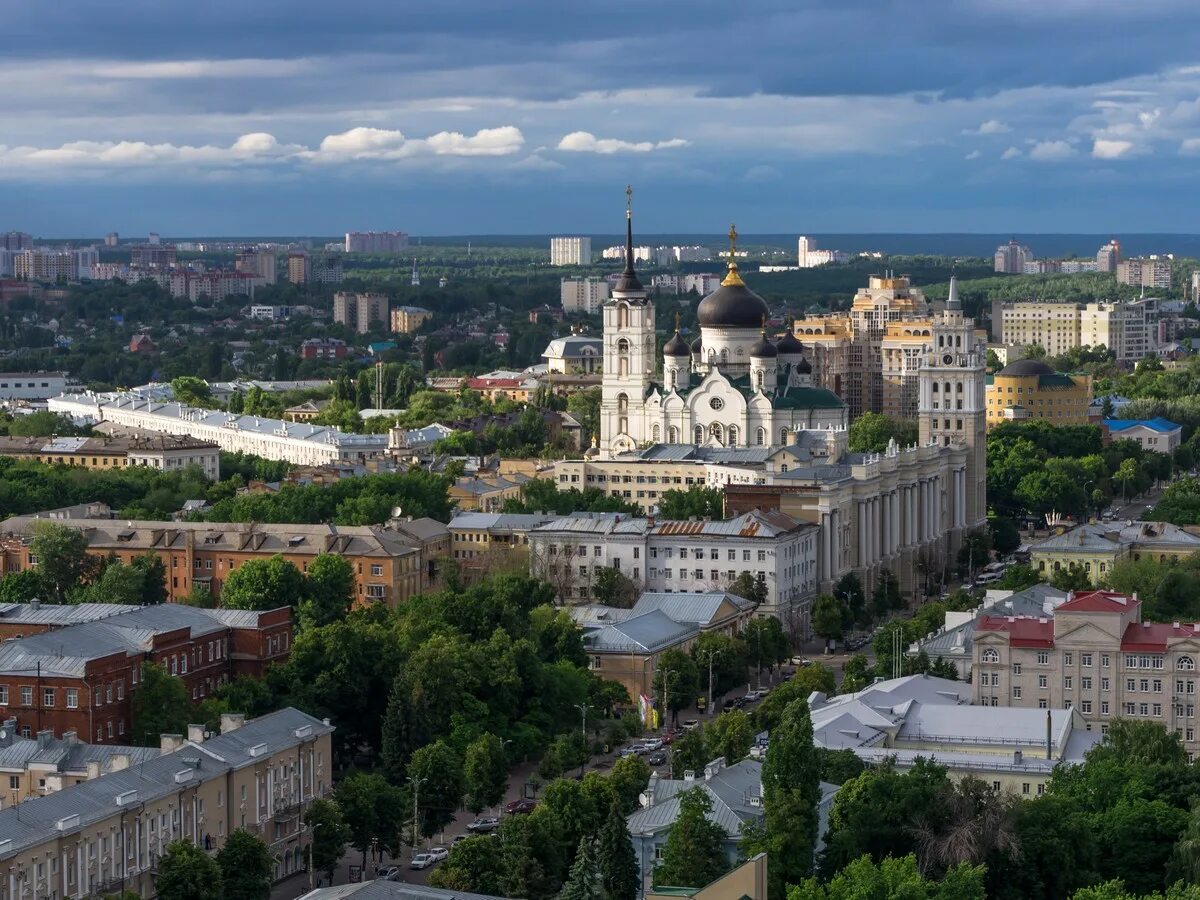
(733, 236)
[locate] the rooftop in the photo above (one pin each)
(646, 632)
(1159, 424)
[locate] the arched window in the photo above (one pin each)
(760, 436)
(758, 379)
(991, 656)
(622, 403)
(672, 435)
(783, 435)
(654, 434)
(715, 430)
(698, 434)
(623, 316)
(623, 357)
(1187, 663)
(724, 356)
(733, 435)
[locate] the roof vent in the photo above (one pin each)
(67, 822)
(127, 797)
(183, 775)
(257, 750)
(303, 731)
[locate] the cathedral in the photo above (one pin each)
(732, 387)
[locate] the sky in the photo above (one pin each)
(478, 116)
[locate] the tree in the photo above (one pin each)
(694, 854)
(629, 778)
(263, 584)
(154, 578)
(974, 824)
(329, 590)
(192, 391)
(616, 858)
(727, 656)
(689, 753)
(676, 678)
(1133, 743)
(612, 587)
(1018, 578)
(729, 735)
(185, 872)
(118, 583)
(160, 705)
(330, 835)
(746, 586)
(1185, 858)
(1127, 476)
(850, 591)
(766, 644)
(791, 792)
(871, 432)
(975, 551)
(893, 878)
(485, 772)
(439, 769)
(522, 871)
(1071, 578)
(62, 558)
(887, 596)
(829, 617)
(22, 586)
(247, 867)
(372, 810)
(474, 866)
(855, 674)
(699, 501)
(583, 882)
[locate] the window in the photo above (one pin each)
(1085, 659)
(1130, 684)
(1043, 704)
(990, 655)
(1104, 660)
(1067, 683)
(1104, 684)
(3, 695)
(1130, 661)
(47, 696)
(1042, 681)
(1186, 663)
(27, 696)
(1068, 659)
(1086, 707)
(1086, 684)
(1016, 692)
(1104, 707)
(1043, 657)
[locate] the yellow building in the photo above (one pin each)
(1097, 546)
(1031, 389)
(407, 319)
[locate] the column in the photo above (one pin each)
(861, 528)
(896, 519)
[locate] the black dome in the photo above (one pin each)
(789, 344)
(764, 348)
(676, 346)
(1026, 367)
(804, 367)
(732, 305)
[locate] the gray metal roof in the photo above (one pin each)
(645, 633)
(35, 821)
(735, 792)
(1039, 600)
(59, 614)
(1110, 536)
(694, 608)
(505, 522)
(391, 890)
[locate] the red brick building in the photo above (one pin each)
(82, 677)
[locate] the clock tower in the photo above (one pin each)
(952, 409)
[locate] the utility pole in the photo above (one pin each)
(311, 867)
(711, 653)
(666, 673)
(416, 785)
(583, 708)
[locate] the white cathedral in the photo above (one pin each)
(733, 387)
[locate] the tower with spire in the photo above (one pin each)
(416, 278)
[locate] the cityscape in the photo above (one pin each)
(452, 455)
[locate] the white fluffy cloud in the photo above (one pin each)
(1011, 153)
(261, 147)
(586, 142)
(1109, 149)
(1051, 151)
(991, 126)
(1190, 146)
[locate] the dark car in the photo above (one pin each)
(657, 759)
(520, 806)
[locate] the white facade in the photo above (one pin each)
(292, 442)
(570, 251)
(34, 385)
(583, 295)
(1011, 258)
(169, 459)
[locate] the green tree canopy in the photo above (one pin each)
(892, 879)
(247, 867)
(263, 584)
(185, 872)
(330, 835)
(329, 591)
(694, 853)
(697, 500)
(160, 705)
(791, 793)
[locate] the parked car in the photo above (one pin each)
(517, 807)
(438, 853)
(421, 861)
(657, 759)
(758, 751)
(459, 838)
(668, 737)
(690, 724)
(754, 695)
(391, 873)
(484, 824)
(652, 744)
(631, 750)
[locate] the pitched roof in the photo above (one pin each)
(1023, 631)
(735, 792)
(1153, 637)
(645, 633)
(1159, 424)
(1098, 602)
(701, 609)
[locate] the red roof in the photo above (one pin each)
(1098, 602)
(1153, 636)
(495, 382)
(1023, 631)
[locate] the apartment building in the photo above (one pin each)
(45, 265)
(323, 348)
(258, 263)
(360, 311)
(299, 267)
(35, 385)
(152, 256)
(570, 251)
(583, 296)
(293, 442)
(161, 451)
(1051, 325)
(1010, 258)
(376, 241)
(387, 566)
(1145, 271)
(479, 539)
(81, 677)
(1128, 328)
(1094, 655)
(692, 556)
(1096, 547)
(407, 319)
(1108, 256)
(108, 834)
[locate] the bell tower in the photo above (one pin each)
(629, 357)
(952, 409)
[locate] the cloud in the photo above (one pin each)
(991, 126)
(1051, 151)
(586, 142)
(361, 143)
(1011, 153)
(201, 68)
(1108, 149)
(974, 154)
(1190, 145)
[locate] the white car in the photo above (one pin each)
(422, 861)
(438, 853)
(652, 744)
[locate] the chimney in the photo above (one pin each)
(713, 768)
(169, 743)
(689, 776)
(71, 737)
(195, 734)
(651, 786)
(44, 738)
(118, 762)
(93, 769)
(231, 722)
(35, 604)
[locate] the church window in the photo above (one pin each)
(698, 434)
(733, 435)
(623, 402)
(623, 319)
(716, 403)
(715, 430)
(739, 352)
(758, 379)
(783, 435)
(724, 356)
(760, 436)
(654, 434)
(623, 425)
(672, 435)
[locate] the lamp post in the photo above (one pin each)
(416, 786)
(712, 652)
(583, 709)
(311, 864)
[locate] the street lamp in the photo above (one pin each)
(712, 652)
(583, 709)
(311, 865)
(416, 786)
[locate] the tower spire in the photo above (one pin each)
(629, 229)
(952, 301)
(731, 276)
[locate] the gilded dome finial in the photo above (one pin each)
(732, 277)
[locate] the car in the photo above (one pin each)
(389, 873)
(690, 724)
(652, 744)
(668, 738)
(734, 703)
(459, 838)
(421, 861)
(517, 807)
(657, 759)
(752, 696)
(758, 751)
(483, 825)
(438, 853)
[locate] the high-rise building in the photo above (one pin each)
(583, 295)
(152, 256)
(1108, 256)
(85, 258)
(809, 257)
(153, 238)
(111, 239)
(16, 241)
(376, 241)
(6, 262)
(1011, 258)
(570, 251)
(1128, 328)
(45, 265)
(359, 311)
(407, 319)
(1145, 271)
(299, 267)
(260, 263)
(326, 269)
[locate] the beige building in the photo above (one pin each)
(570, 251)
(407, 319)
(1051, 325)
(360, 311)
(1145, 271)
(259, 263)
(583, 296)
(108, 834)
(299, 267)
(1094, 655)
(159, 451)
(1128, 328)
(1032, 389)
(1097, 546)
